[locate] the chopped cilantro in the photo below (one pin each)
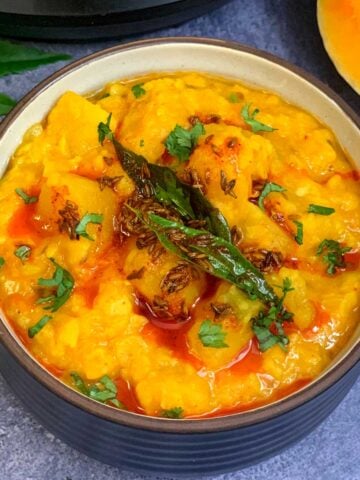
(249, 118)
(234, 97)
(333, 255)
(104, 390)
(181, 142)
(23, 252)
(2, 261)
(268, 325)
(138, 91)
(104, 130)
(299, 237)
(62, 284)
(32, 331)
(141, 143)
(176, 412)
(268, 188)
(25, 197)
(212, 335)
(80, 229)
(320, 210)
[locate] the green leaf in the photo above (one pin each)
(224, 259)
(2, 261)
(6, 104)
(103, 391)
(212, 335)
(80, 229)
(23, 252)
(268, 188)
(176, 412)
(234, 98)
(166, 187)
(16, 58)
(332, 254)
(26, 198)
(35, 329)
(268, 324)
(320, 210)
(138, 91)
(249, 118)
(299, 237)
(62, 282)
(181, 142)
(104, 130)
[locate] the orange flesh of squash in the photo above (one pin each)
(339, 23)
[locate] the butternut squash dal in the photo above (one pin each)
(180, 245)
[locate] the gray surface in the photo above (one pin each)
(27, 452)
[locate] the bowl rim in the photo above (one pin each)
(139, 421)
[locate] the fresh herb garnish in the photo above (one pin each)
(26, 198)
(268, 325)
(299, 237)
(16, 58)
(320, 210)
(6, 104)
(181, 142)
(62, 284)
(212, 335)
(102, 391)
(104, 130)
(32, 331)
(162, 182)
(2, 261)
(96, 218)
(142, 142)
(234, 97)
(223, 259)
(255, 125)
(268, 188)
(138, 91)
(332, 254)
(23, 252)
(176, 412)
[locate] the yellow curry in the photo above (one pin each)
(180, 245)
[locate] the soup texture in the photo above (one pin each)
(180, 245)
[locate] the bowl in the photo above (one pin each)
(158, 445)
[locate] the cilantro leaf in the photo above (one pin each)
(23, 252)
(234, 97)
(16, 58)
(138, 91)
(25, 197)
(212, 335)
(62, 282)
(103, 391)
(6, 104)
(80, 229)
(2, 261)
(104, 130)
(299, 237)
(268, 188)
(320, 210)
(176, 412)
(268, 325)
(181, 142)
(249, 118)
(35, 329)
(332, 254)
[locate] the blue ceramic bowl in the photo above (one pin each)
(157, 445)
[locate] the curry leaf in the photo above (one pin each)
(166, 187)
(255, 125)
(6, 104)
(16, 58)
(212, 335)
